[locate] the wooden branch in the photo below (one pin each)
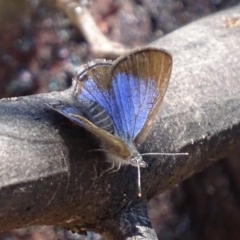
(49, 176)
(136, 213)
(80, 16)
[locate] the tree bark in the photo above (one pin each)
(49, 176)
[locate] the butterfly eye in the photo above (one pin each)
(143, 164)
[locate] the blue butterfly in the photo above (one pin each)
(122, 99)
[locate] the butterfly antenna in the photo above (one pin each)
(139, 180)
(166, 154)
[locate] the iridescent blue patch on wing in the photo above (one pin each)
(128, 102)
(134, 99)
(92, 92)
(68, 111)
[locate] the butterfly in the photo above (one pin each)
(121, 100)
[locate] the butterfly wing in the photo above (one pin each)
(111, 143)
(91, 88)
(93, 84)
(139, 83)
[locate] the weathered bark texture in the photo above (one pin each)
(49, 176)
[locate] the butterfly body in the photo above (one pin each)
(121, 99)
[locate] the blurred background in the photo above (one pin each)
(41, 47)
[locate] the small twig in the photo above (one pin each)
(83, 20)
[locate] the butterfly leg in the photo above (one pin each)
(108, 170)
(117, 169)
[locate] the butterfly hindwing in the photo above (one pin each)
(93, 84)
(111, 143)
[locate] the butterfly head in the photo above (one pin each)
(135, 159)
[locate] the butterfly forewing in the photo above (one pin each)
(139, 83)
